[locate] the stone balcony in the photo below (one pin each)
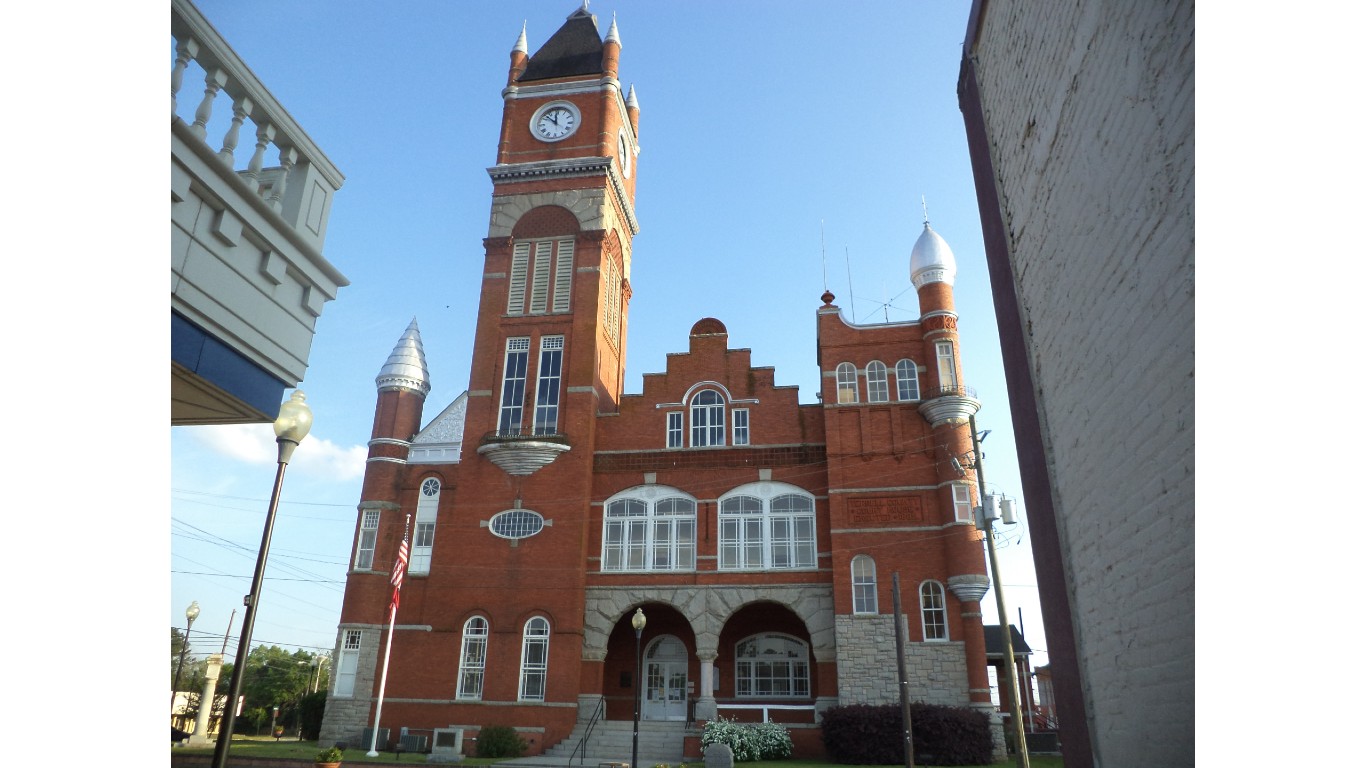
(520, 453)
(949, 405)
(250, 199)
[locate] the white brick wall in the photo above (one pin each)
(1090, 113)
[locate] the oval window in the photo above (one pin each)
(516, 524)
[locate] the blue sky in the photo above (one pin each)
(785, 148)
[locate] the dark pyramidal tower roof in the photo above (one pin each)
(576, 49)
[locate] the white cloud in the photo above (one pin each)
(255, 444)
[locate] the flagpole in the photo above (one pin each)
(383, 678)
(400, 567)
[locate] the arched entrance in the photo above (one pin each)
(665, 694)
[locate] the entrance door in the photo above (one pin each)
(666, 680)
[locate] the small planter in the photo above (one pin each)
(327, 765)
(328, 758)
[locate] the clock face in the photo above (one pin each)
(555, 123)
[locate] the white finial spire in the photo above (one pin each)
(521, 39)
(925, 208)
(612, 35)
(631, 98)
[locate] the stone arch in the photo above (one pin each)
(708, 609)
(590, 208)
(545, 221)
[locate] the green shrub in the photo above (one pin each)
(861, 734)
(499, 741)
(749, 741)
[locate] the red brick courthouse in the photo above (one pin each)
(546, 506)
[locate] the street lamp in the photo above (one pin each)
(291, 427)
(637, 621)
(191, 613)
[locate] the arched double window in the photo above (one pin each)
(934, 618)
(708, 412)
(474, 645)
(535, 659)
(876, 373)
(863, 573)
(649, 528)
(772, 666)
(907, 381)
(767, 525)
(846, 383)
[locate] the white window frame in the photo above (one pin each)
(934, 614)
(673, 429)
(513, 401)
(962, 503)
(876, 374)
(549, 373)
(739, 426)
(708, 420)
(846, 384)
(424, 526)
(948, 368)
(654, 534)
(365, 539)
(760, 528)
(348, 661)
(863, 577)
(907, 381)
(474, 648)
(535, 659)
(783, 652)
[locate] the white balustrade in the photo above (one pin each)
(300, 160)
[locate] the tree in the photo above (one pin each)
(276, 677)
(177, 644)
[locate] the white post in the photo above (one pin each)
(200, 737)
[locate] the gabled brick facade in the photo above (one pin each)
(758, 535)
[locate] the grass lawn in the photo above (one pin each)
(264, 746)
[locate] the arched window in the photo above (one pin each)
(535, 659)
(934, 620)
(424, 527)
(474, 646)
(772, 666)
(864, 578)
(708, 419)
(907, 381)
(767, 525)
(846, 383)
(649, 528)
(876, 373)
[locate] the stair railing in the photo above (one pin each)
(582, 748)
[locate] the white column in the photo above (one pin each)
(706, 702)
(200, 737)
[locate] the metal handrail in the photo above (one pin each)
(517, 435)
(949, 391)
(583, 742)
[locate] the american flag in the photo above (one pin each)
(400, 567)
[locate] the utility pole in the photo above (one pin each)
(903, 682)
(1008, 650)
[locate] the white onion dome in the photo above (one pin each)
(932, 260)
(406, 367)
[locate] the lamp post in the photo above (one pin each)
(637, 621)
(191, 613)
(1021, 749)
(291, 427)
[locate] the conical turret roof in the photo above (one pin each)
(407, 364)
